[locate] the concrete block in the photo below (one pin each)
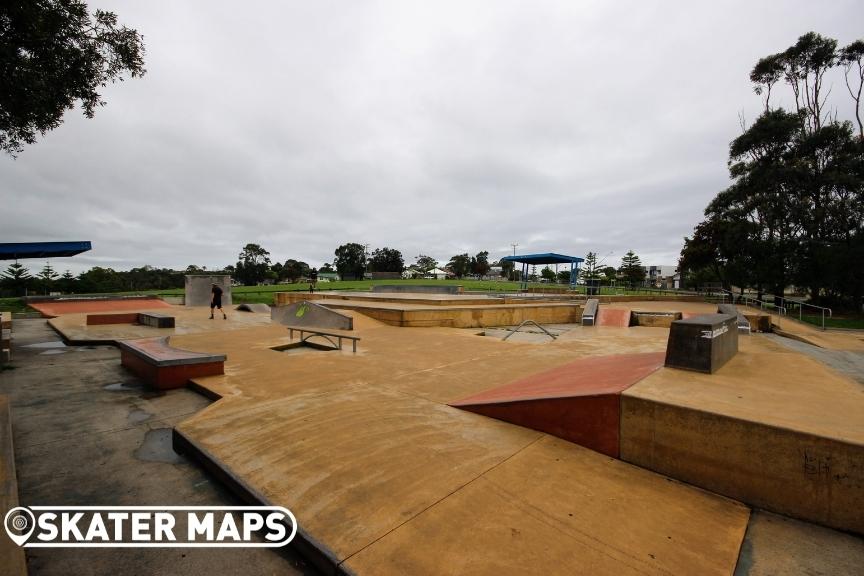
(798, 474)
(702, 343)
(198, 287)
(311, 315)
(156, 320)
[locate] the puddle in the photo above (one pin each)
(41, 345)
(157, 447)
(52, 352)
(137, 416)
(123, 387)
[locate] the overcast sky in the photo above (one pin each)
(431, 127)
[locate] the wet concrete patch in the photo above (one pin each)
(51, 344)
(137, 416)
(157, 447)
(123, 387)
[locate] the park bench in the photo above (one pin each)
(165, 367)
(589, 313)
(327, 335)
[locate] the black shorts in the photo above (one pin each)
(217, 303)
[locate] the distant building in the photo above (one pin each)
(665, 277)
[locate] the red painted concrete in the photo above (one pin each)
(579, 402)
(121, 318)
(590, 421)
(168, 377)
(613, 317)
(56, 308)
(584, 377)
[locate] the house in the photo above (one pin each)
(437, 274)
(663, 276)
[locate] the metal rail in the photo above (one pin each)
(783, 309)
(526, 322)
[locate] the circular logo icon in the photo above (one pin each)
(19, 523)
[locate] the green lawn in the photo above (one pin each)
(849, 322)
(264, 294)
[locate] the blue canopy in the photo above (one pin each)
(548, 258)
(22, 250)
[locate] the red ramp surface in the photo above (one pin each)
(54, 308)
(579, 402)
(613, 317)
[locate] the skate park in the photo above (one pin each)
(570, 446)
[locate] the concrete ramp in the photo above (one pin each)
(310, 315)
(579, 402)
(259, 308)
(617, 317)
(589, 313)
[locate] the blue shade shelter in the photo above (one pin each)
(22, 250)
(548, 258)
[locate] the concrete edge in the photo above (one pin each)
(196, 358)
(321, 557)
(756, 422)
(12, 557)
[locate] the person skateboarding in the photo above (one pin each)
(216, 301)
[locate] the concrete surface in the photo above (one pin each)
(386, 478)
(773, 428)
(775, 545)
(311, 315)
(579, 402)
(199, 286)
(11, 555)
(88, 433)
(52, 308)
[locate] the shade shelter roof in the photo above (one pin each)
(22, 250)
(547, 258)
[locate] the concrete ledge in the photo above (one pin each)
(702, 343)
(105, 319)
(311, 549)
(165, 367)
(417, 289)
(790, 472)
(12, 559)
(654, 319)
(156, 320)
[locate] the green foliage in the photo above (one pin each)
(426, 263)
(386, 260)
(480, 264)
(350, 261)
(52, 55)
(252, 265)
(292, 270)
(589, 270)
(794, 214)
(631, 271)
(548, 274)
(16, 278)
(460, 265)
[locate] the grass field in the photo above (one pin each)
(847, 322)
(265, 294)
